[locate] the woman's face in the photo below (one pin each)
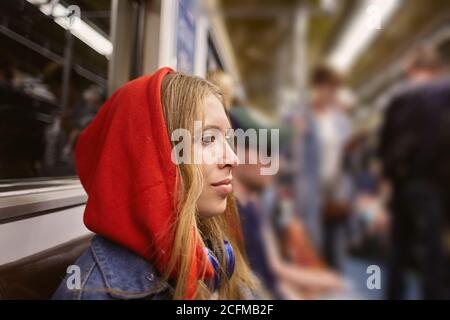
(218, 159)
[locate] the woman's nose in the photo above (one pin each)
(230, 157)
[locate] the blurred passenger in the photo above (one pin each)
(415, 153)
(84, 112)
(283, 279)
(370, 221)
(321, 187)
(295, 243)
(226, 84)
(58, 133)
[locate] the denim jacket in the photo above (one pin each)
(110, 271)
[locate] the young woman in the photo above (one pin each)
(163, 231)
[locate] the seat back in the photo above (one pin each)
(39, 275)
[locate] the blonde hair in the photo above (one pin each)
(182, 99)
(225, 84)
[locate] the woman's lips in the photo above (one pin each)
(223, 186)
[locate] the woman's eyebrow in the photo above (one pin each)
(226, 126)
(212, 127)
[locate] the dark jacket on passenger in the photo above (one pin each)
(415, 137)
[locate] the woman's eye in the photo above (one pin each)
(208, 139)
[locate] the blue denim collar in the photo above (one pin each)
(126, 274)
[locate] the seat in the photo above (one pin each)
(37, 276)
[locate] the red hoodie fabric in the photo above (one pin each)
(123, 159)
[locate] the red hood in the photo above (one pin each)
(123, 159)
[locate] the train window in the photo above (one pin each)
(53, 76)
